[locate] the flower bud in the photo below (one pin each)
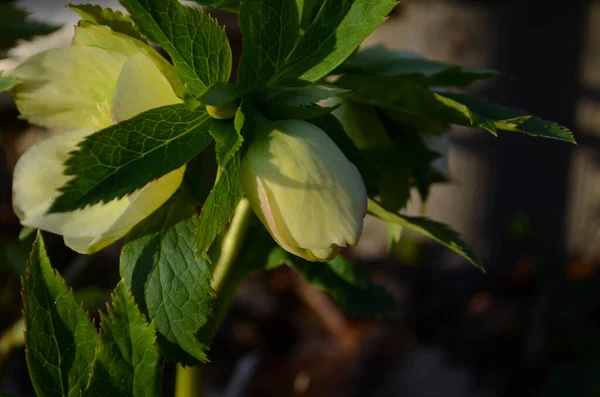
(304, 190)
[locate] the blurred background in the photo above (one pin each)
(530, 208)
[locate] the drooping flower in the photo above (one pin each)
(309, 196)
(103, 78)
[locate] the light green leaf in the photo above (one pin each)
(269, 29)
(436, 231)
(381, 61)
(169, 282)
(414, 104)
(7, 82)
(122, 158)
(127, 361)
(220, 204)
(196, 43)
(228, 140)
(336, 31)
(105, 16)
(60, 339)
(351, 287)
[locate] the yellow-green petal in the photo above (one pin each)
(68, 88)
(104, 37)
(140, 87)
(39, 175)
(306, 192)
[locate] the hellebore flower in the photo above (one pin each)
(304, 190)
(103, 78)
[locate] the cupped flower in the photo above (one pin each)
(309, 196)
(102, 79)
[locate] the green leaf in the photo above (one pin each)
(15, 25)
(309, 112)
(415, 104)
(381, 61)
(106, 16)
(127, 359)
(228, 140)
(124, 157)
(269, 29)
(302, 96)
(346, 283)
(368, 169)
(226, 5)
(7, 82)
(169, 282)
(505, 118)
(219, 94)
(196, 43)
(436, 231)
(220, 204)
(336, 31)
(60, 339)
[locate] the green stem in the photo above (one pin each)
(188, 382)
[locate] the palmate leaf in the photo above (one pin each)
(416, 103)
(197, 45)
(436, 231)
(228, 139)
(106, 16)
(127, 360)
(381, 61)
(122, 158)
(169, 282)
(276, 54)
(346, 283)
(60, 339)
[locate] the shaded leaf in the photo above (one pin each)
(127, 359)
(228, 140)
(106, 16)
(226, 5)
(196, 43)
(169, 282)
(220, 205)
(124, 157)
(60, 339)
(436, 231)
(219, 94)
(302, 96)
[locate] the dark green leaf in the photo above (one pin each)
(14, 255)
(106, 16)
(282, 112)
(509, 119)
(336, 31)
(436, 231)
(219, 94)
(127, 360)
(228, 140)
(197, 45)
(7, 82)
(302, 96)
(122, 158)
(368, 169)
(15, 25)
(60, 339)
(226, 5)
(270, 29)
(347, 284)
(220, 204)
(382, 61)
(415, 104)
(169, 282)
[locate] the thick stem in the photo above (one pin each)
(188, 381)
